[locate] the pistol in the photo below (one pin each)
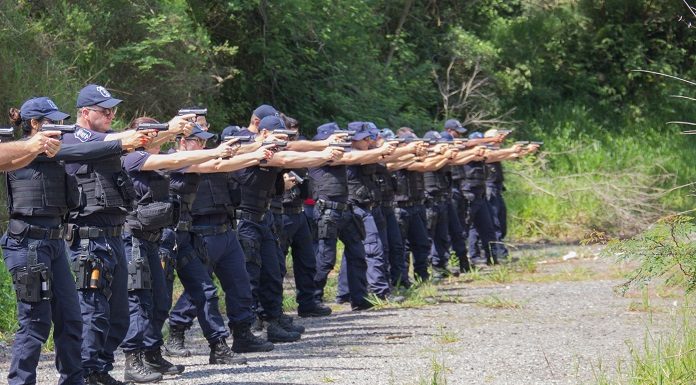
(279, 144)
(504, 132)
(195, 111)
(289, 133)
(522, 142)
(153, 126)
(537, 143)
(6, 132)
(346, 146)
(298, 178)
(246, 139)
(63, 128)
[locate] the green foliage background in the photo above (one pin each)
(564, 66)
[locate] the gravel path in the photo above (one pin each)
(560, 331)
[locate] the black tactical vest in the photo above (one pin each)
(437, 182)
(330, 183)
(40, 189)
(183, 189)
(495, 173)
(362, 184)
(105, 187)
(474, 176)
(258, 188)
(409, 186)
(385, 181)
(213, 196)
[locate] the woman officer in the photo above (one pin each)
(39, 196)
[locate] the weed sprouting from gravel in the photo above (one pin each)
(445, 336)
(437, 375)
(501, 274)
(495, 302)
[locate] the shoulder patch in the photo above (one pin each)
(83, 135)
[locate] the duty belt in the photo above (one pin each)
(323, 204)
(293, 210)
(388, 204)
(407, 204)
(150, 236)
(98, 232)
(365, 206)
(253, 217)
(37, 232)
(277, 210)
(210, 230)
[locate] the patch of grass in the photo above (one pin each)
(667, 360)
(437, 375)
(526, 265)
(289, 302)
(328, 380)
(495, 302)
(445, 336)
(501, 274)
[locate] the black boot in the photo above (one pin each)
(244, 341)
(287, 323)
(220, 353)
(154, 359)
(136, 371)
(320, 310)
(276, 333)
(174, 347)
(96, 378)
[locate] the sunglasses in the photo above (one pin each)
(105, 111)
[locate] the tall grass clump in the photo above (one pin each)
(8, 305)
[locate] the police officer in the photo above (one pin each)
(438, 192)
(336, 220)
(295, 233)
(256, 228)
(95, 231)
(153, 210)
(494, 196)
(362, 195)
(205, 238)
(410, 213)
(17, 154)
(474, 209)
(39, 195)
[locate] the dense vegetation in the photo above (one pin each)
(562, 68)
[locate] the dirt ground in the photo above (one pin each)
(557, 325)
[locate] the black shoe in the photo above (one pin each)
(101, 379)
(137, 371)
(276, 333)
(220, 353)
(244, 341)
(320, 310)
(286, 322)
(174, 347)
(154, 359)
(342, 300)
(362, 306)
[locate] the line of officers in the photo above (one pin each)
(130, 219)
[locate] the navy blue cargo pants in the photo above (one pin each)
(34, 318)
(377, 261)
(394, 248)
(413, 231)
(105, 320)
(332, 225)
